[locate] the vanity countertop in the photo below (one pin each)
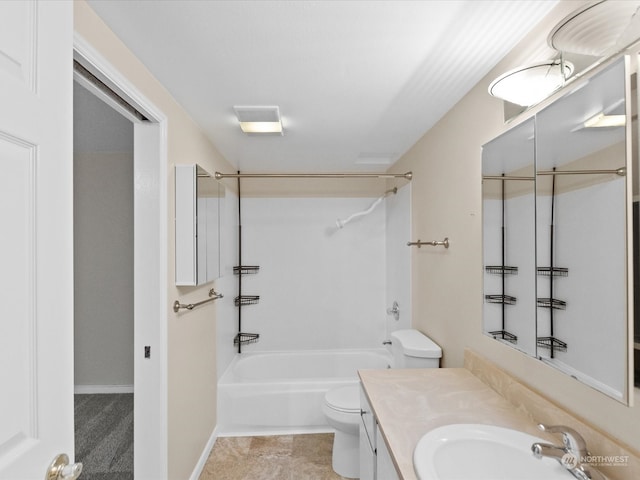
(410, 402)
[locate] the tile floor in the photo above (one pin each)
(282, 457)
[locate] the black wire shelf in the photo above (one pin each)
(504, 335)
(246, 338)
(246, 269)
(501, 270)
(504, 299)
(553, 271)
(552, 343)
(552, 303)
(246, 300)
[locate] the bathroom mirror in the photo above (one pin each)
(508, 203)
(557, 249)
(583, 225)
(197, 223)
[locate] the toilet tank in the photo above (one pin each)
(412, 349)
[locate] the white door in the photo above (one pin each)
(36, 236)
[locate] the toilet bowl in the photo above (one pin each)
(341, 408)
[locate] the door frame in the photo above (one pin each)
(150, 267)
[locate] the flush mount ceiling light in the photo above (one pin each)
(597, 29)
(531, 84)
(259, 120)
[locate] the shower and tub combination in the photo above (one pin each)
(322, 314)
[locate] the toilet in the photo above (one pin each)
(341, 407)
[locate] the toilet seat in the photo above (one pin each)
(344, 399)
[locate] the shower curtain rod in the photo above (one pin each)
(408, 175)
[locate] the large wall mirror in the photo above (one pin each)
(198, 206)
(577, 296)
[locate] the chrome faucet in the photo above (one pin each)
(394, 310)
(571, 455)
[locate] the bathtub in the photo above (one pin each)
(282, 392)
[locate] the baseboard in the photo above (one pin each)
(205, 455)
(87, 389)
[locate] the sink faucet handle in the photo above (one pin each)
(572, 440)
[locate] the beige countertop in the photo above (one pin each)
(410, 402)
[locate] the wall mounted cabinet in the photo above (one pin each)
(197, 225)
(557, 232)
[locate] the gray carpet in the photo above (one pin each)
(104, 436)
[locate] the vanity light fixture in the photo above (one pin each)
(530, 84)
(260, 120)
(602, 120)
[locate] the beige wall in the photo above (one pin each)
(447, 285)
(191, 338)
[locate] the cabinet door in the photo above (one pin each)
(385, 468)
(367, 440)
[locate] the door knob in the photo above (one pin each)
(61, 470)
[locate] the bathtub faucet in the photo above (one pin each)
(387, 342)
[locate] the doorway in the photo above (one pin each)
(149, 263)
(103, 287)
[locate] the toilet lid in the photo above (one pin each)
(344, 399)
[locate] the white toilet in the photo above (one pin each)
(411, 349)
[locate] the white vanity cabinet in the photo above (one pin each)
(385, 470)
(375, 460)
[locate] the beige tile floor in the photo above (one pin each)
(281, 457)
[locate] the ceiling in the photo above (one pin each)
(357, 82)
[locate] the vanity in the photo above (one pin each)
(405, 404)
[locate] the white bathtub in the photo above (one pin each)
(278, 392)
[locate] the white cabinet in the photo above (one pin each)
(197, 219)
(375, 460)
(385, 469)
(367, 440)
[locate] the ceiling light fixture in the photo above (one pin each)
(259, 120)
(531, 84)
(602, 120)
(598, 28)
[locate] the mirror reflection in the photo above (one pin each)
(581, 243)
(509, 237)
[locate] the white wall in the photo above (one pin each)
(398, 258)
(320, 287)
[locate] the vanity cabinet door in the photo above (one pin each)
(367, 440)
(385, 468)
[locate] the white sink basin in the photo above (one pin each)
(475, 452)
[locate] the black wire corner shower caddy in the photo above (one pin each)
(550, 342)
(243, 338)
(503, 271)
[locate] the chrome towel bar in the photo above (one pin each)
(433, 243)
(190, 306)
